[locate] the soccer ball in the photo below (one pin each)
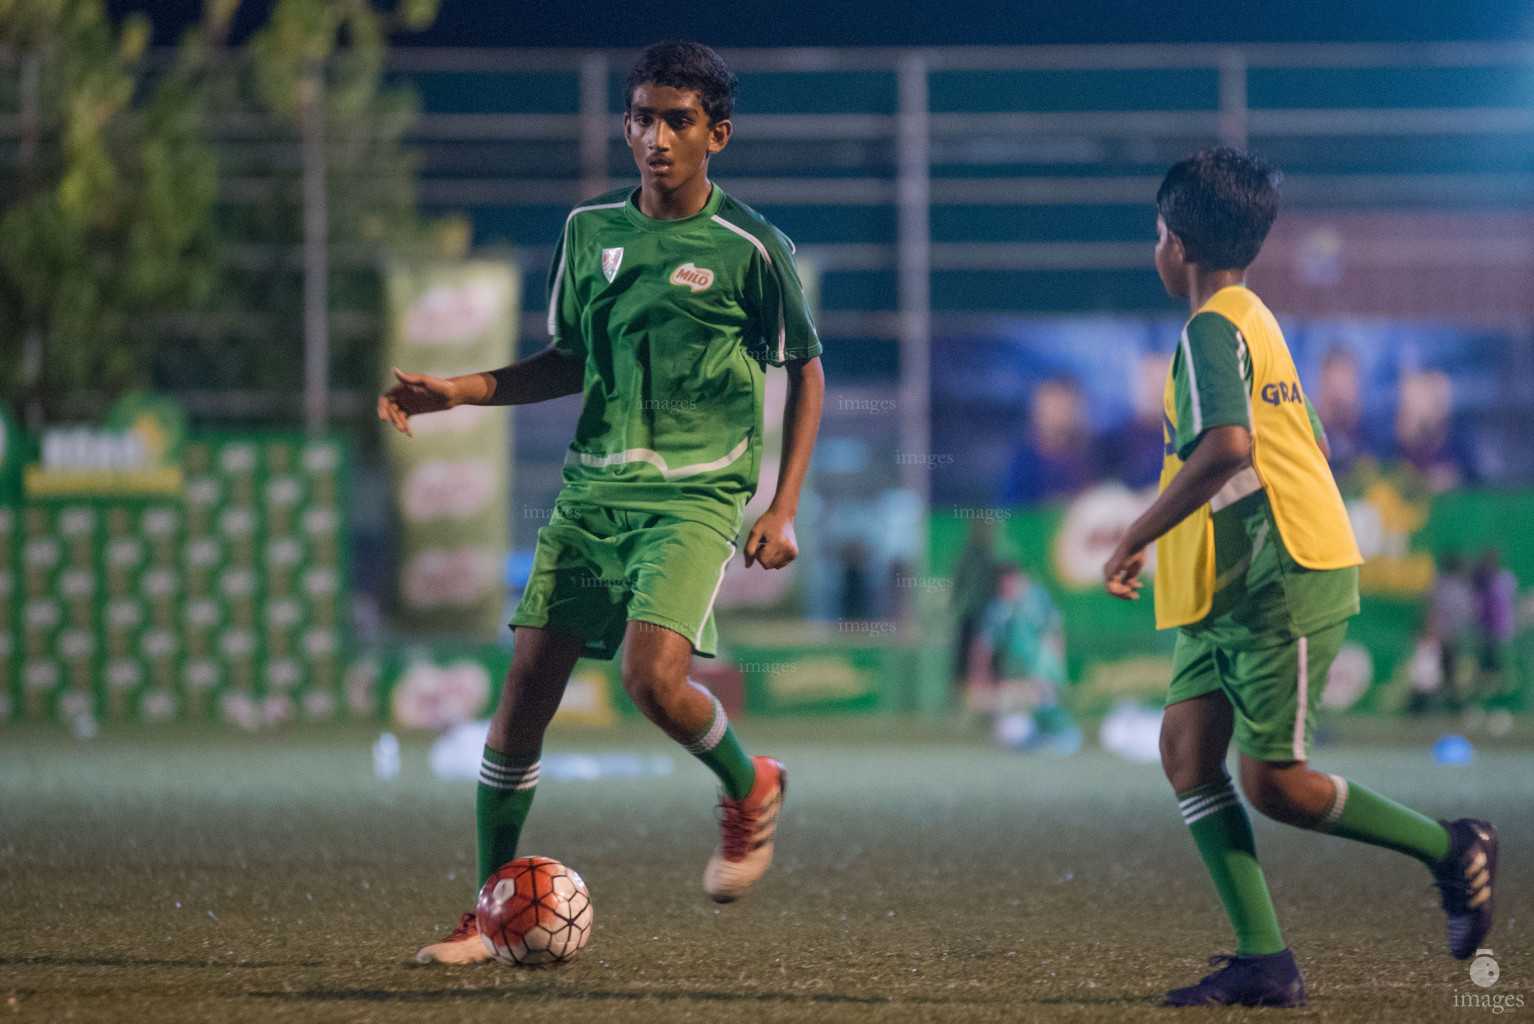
(534, 910)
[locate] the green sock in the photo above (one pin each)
(1357, 813)
(1223, 832)
(717, 747)
(505, 795)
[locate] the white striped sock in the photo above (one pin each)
(1199, 801)
(498, 776)
(1210, 801)
(710, 737)
(1339, 801)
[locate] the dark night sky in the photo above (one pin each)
(626, 23)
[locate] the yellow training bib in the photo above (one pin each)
(1307, 507)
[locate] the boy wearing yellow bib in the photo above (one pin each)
(1258, 569)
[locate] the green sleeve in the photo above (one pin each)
(788, 330)
(992, 623)
(1212, 380)
(1315, 421)
(564, 308)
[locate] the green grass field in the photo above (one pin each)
(921, 876)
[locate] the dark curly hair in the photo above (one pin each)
(1221, 203)
(686, 66)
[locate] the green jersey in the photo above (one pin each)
(1027, 636)
(676, 321)
(1262, 596)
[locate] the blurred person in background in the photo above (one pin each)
(857, 598)
(1055, 460)
(975, 578)
(1340, 407)
(1017, 667)
(1451, 619)
(1424, 430)
(1131, 452)
(1496, 600)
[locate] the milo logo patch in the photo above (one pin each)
(694, 277)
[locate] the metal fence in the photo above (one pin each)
(908, 164)
(936, 187)
(933, 188)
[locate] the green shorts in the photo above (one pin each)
(597, 569)
(1274, 691)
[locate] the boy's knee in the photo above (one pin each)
(1286, 794)
(1184, 766)
(638, 681)
(646, 682)
(1267, 793)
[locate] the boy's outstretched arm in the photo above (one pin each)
(1220, 453)
(549, 374)
(771, 541)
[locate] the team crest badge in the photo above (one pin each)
(696, 278)
(612, 259)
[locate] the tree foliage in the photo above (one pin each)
(254, 339)
(153, 237)
(110, 199)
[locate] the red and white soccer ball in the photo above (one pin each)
(534, 910)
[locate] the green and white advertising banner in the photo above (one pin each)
(440, 685)
(150, 574)
(1114, 650)
(10, 527)
(452, 480)
(135, 454)
(11, 455)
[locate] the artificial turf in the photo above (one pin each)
(921, 876)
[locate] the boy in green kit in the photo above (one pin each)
(666, 303)
(1257, 565)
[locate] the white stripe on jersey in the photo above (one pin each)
(564, 255)
(1187, 358)
(782, 324)
(704, 622)
(1243, 364)
(1303, 697)
(1245, 482)
(658, 460)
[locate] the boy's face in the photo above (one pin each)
(1171, 261)
(670, 136)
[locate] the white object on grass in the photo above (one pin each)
(457, 754)
(1132, 731)
(386, 756)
